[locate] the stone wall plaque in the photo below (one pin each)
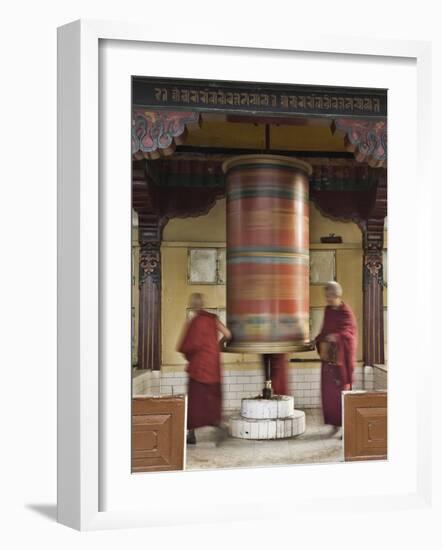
(322, 266)
(202, 266)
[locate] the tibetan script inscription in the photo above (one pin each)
(318, 100)
(186, 96)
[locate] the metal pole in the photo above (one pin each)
(267, 391)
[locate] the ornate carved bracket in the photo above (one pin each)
(150, 262)
(373, 269)
(367, 139)
(156, 133)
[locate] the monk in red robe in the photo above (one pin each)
(338, 356)
(200, 346)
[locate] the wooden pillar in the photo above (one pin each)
(150, 228)
(373, 302)
(373, 278)
(149, 326)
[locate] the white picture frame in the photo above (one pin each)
(88, 320)
(322, 266)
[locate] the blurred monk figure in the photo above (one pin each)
(200, 346)
(336, 344)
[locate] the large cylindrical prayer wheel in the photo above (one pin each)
(267, 253)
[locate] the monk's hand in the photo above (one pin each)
(331, 338)
(345, 387)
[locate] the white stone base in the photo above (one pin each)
(281, 406)
(248, 428)
(268, 419)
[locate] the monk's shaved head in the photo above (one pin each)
(196, 300)
(333, 288)
(333, 293)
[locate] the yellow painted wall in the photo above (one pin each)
(321, 226)
(220, 133)
(209, 230)
(216, 133)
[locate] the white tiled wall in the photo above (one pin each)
(304, 384)
(146, 382)
(379, 377)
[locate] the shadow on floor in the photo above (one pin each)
(318, 444)
(49, 511)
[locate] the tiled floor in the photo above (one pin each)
(317, 444)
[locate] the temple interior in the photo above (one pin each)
(179, 248)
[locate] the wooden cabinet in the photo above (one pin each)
(158, 433)
(365, 425)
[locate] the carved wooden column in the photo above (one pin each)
(150, 226)
(373, 278)
(149, 336)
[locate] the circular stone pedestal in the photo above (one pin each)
(274, 418)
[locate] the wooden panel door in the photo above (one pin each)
(158, 429)
(365, 425)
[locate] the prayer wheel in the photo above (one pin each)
(267, 253)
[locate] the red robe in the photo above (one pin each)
(201, 349)
(278, 372)
(341, 322)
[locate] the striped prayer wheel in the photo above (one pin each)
(267, 253)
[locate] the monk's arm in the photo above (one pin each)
(223, 329)
(185, 340)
